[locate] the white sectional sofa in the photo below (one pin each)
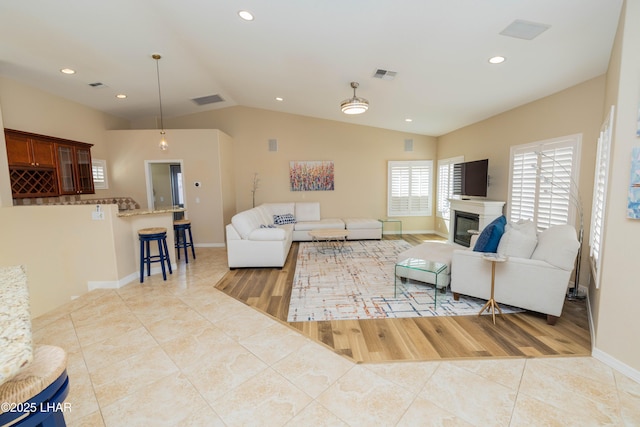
(254, 241)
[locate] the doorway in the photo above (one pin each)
(165, 185)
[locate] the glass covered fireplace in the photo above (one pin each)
(463, 222)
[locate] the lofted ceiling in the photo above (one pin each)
(307, 52)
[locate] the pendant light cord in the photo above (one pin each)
(157, 58)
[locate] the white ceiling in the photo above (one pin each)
(307, 52)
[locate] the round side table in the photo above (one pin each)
(492, 304)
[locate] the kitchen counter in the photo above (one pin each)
(136, 212)
(16, 346)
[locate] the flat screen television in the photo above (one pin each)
(470, 179)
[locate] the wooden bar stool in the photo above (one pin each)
(181, 227)
(147, 235)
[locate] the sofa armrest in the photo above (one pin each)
(268, 234)
(232, 233)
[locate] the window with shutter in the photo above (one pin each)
(99, 171)
(600, 196)
(543, 178)
(445, 185)
(409, 188)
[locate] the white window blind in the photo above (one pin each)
(99, 170)
(543, 182)
(445, 185)
(600, 196)
(409, 188)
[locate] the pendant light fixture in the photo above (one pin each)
(163, 141)
(354, 105)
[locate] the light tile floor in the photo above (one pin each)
(181, 353)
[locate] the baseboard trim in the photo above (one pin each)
(410, 232)
(209, 245)
(117, 284)
(614, 363)
(606, 358)
(592, 328)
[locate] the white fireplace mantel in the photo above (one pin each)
(487, 211)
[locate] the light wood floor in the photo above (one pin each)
(433, 338)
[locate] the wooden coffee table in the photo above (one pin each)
(329, 239)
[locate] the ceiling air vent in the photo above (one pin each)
(97, 85)
(524, 30)
(384, 74)
(210, 99)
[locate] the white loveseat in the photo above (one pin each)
(537, 283)
(252, 243)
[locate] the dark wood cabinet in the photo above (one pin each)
(26, 150)
(45, 166)
(74, 169)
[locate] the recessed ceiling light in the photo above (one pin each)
(408, 120)
(497, 60)
(67, 71)
(279, 99)
(246, 15)
(121, 96)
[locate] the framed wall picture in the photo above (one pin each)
(311, 176)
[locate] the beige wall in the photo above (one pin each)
(66, 252)
(617, 321)
(200, 152)
(360, 155)
(32, 110)
(62, 249)
(5, 188)
(227, 177)
(577, 110)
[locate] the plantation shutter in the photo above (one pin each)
(409, 192)
(600, 197)
(445, 185)
(523, 185)
(99, 171)
(543, 182)
(556, 185)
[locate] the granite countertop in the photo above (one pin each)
(16, 346)
(136, 212)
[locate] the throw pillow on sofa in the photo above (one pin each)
(519, 239)
(284, 219)
(489, 239)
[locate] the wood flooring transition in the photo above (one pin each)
(417, 339)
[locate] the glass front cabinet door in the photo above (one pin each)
(74, 169)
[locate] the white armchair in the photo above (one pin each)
(537, 284)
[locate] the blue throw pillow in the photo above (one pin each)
(490, 237)
(284, 219)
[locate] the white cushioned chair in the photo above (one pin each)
(537, 283)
